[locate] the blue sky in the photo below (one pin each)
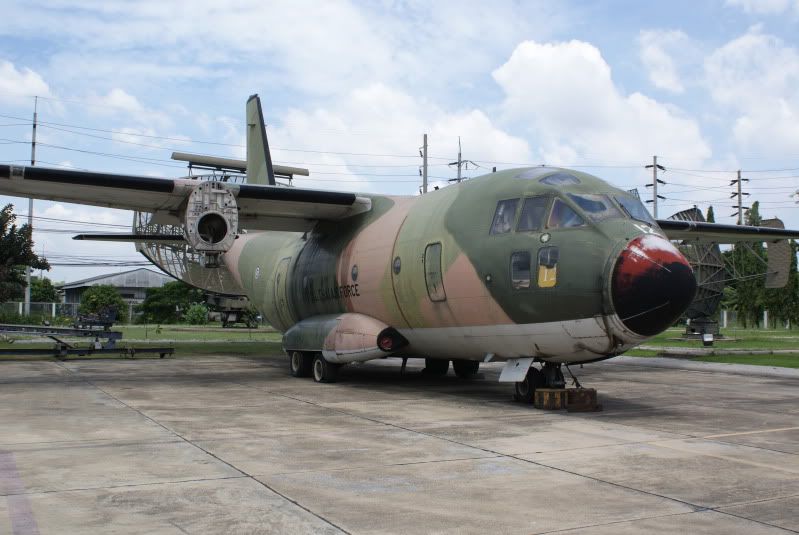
(710, 87)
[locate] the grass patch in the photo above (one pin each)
(782, 361)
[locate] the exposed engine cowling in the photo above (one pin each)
(211, 221)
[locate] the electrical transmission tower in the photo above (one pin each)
(461, 164)
(739, 194)
(654, 185)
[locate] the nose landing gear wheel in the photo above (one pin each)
(324, 371)
(300, 364)
(525, 390)
(465, 369)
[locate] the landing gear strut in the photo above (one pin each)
(549, 376)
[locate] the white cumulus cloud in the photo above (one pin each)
(754, 77)
(657, 51)
(566, 95)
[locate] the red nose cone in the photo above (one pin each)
(652, 285)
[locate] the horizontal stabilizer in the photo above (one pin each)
(161, 238)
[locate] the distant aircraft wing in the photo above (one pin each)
(261, 207)
(701, 232)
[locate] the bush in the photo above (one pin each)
(197, 314)
(98, 298)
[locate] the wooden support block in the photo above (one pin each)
(550, 398)
(582, 400)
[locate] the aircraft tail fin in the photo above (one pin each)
(259, 159)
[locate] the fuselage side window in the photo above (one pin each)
(563, 216)
(504, 216)
(534, 212)
(432, 272)
(520, 270)
(598, 207)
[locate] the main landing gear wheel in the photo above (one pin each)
(324, 371)
(465, 369)
(301, 364)
(525, 390)
(436, 367)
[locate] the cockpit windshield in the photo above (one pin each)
(635, 208)
(597, 207)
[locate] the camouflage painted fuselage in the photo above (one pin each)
(431, 268)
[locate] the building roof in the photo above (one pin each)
(135, 278)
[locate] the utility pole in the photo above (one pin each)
(654, 185)
(424, 164)
(739, 194)
(460, 163)
(30, 210)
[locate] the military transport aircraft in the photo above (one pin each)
(528, 266)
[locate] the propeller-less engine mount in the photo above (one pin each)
(211, 220)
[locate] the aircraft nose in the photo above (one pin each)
(652, 285)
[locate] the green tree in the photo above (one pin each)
(169, 302)
(710, 217)
(43, 291)
(102, 297)
(16, 255)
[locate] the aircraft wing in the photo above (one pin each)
(260, 207)
(701, 232)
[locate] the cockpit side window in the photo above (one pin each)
(563, 216)
(504, 216)
(635, 208)
(534, 213)
(597, 207)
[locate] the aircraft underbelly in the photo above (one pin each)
(558, 341)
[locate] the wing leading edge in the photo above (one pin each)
(260, 207)
(701, 232)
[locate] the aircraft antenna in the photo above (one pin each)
(654, 185)
(739, 194)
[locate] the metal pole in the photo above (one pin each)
(30, 210)
(459, 159)
(740, 201)
(655, 185)
(424, 165)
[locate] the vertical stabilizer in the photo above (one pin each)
(259, 160)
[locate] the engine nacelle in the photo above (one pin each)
(211, 220)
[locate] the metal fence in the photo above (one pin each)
(52, 310)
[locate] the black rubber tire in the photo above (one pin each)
(324, 371)
(525, 390)
(465, 369)
(436, 367)
(300, 364)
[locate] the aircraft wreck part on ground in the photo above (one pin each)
(708, 265)
(652, 285)
(343, 338)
